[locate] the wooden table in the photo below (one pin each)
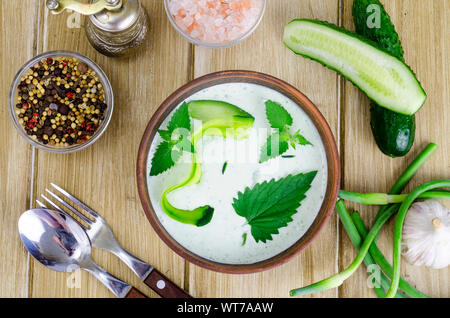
(104, 174)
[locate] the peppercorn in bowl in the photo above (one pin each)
(61, 101)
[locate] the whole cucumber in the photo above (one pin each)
(394, 133)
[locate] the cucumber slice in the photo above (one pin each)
(229, 119)
(207, 110)
(382, 77)
(218, 119)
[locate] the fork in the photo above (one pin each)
(102, 237)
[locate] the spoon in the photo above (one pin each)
(57, 241)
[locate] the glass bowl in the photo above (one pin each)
(209, 44)
(109, 100)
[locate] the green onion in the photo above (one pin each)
(381, 261)
(383, 199)
(413, 168)
(356, 240)
(445, 183)
(409, 172)
(383, 215)
(337, 279)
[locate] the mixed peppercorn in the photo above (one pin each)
(60, 101)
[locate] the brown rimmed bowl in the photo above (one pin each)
(296, 96)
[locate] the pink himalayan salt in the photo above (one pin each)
(215, 21)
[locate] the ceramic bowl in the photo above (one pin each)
(297, 97)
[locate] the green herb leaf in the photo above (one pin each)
(244, 239)
(180, 119)
(277, 116)
(175, 141)
(271, 205)
(273, 147)
(165, 134)
(279, 142)
(184, 144)
(164, 158)
(300, 140)
(179, 125)
(225, 164)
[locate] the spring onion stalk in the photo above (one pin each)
(383, 215)
(445, 183)
(355, 237)
(413, 168)
(383, 198)
(409, 172)
(381, 261)
(337, 279)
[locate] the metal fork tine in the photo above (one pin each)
(67, 205)
(51, 203)
(77, 201)
(42, 205)
(102, 237)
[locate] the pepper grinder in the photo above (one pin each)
(115, 28)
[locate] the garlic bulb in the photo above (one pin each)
(426, 235)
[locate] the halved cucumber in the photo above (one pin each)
(394, 133)
(382, 77)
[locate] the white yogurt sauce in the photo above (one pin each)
(221, 239)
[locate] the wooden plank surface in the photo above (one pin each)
(16, 155)
(103, 175)
(424, 31)
(264, 52)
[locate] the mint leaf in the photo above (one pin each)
(165, 134)
(175, 141)
(300, 140)
(277, 116)
(180, 119)
(180, 123)
(269, 206)
(273, 147)
(184, 145)
(280, 119)
(164, 158)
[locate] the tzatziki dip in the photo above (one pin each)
(227, 237)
